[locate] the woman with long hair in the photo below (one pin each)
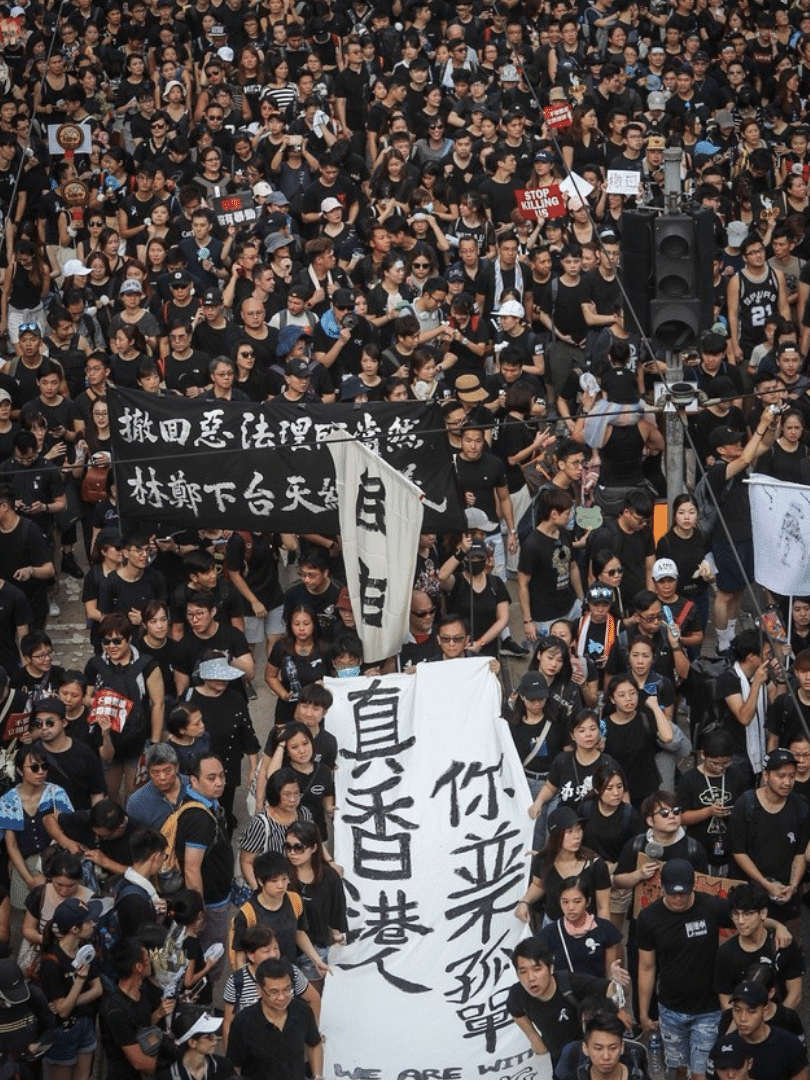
(63, 879)
(564, 856)
(128, 349)
(321, 889)
(472, 221)
(420, 265)
(294, 748)
(26, 281)
(687, 546)
(25, 807)
(249, 77)
(552, 658)
(106, 556)
(390, 186)
(295, 660)
(787, 458)
(422, 380)
(583, 143)
(633, 733)
(155, 640)
(277, 85)
(610, 821)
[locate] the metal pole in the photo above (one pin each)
(673, 432)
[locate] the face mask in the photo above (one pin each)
(348, 672)
(477, 566)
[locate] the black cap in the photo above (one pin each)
(564, 817)
(752, 993)
(13, 986)
(533, 686)
(777, 758)
(677, 877)
(730, 1052)
(725, 436)
(48, 704)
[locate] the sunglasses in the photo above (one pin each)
(666, 811)
(43, 723)
(455, 639)
(421, 265)
(295, 849)
(342, 307)
(422, 614)
(112, 640)
(29, 326)
(37, 767)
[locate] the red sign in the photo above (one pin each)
(110, 705)
(558, 116)
(16, 725)
(545, 201)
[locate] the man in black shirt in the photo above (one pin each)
(205, 633)
(136, 1003)
(24, 557)
(544, 1007)
(630, 538)
(481, 477)
(678, 940)
(72, 764)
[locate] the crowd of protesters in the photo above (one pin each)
(327, 203)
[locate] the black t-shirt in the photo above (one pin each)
(687, 556)
(191, 648)
(57, 977)
(685, 944)
(547, 561)
(607, 835)
(479, 609)
(572, 779)
(735, 505)
(782, 720)
(632, 549)
(634, 746)
(14, 613)
(120, 595)
(259, 565)
(199, 829)
(557, 1019)
(323, 604)
(595, 873)
(733, 962)
(780, 1056)
(121, 1018)
(696, 791)
(584, 954)
(229, 727)
(78, 770)
(771, 841)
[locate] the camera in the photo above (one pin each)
(348, 322)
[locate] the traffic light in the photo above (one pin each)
(684, 247)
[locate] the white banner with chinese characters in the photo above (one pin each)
(380, 514)
(432, 830)
(780, 518)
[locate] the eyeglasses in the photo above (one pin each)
(45, 655)
(111, 640)
(435, 127)
(666, 811)
(43, 723)
(651, 618)
(139, 549)
(295, 849)
(455, 639)
(287, 992)
(422, 614)
(37, 767)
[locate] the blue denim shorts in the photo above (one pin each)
(688, 1039)
(72, 1041)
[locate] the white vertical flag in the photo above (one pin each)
(780, 519)
(380, 521)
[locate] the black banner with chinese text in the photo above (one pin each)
(183, 463)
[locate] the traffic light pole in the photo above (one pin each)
(673, 433)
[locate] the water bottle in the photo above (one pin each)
(655, 1053)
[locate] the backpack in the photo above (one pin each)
(123, 696)
(169, 829)
(708, 513)
(248, 539)
(94, 484)
(704, 699)
(249, 912)
(108, 930)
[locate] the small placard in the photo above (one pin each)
(622, 182)
(545, 201)
(84, 147)
(558, 116)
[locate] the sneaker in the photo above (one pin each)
(54, 611)
(70, 566)
(509, 647)
(251, 692)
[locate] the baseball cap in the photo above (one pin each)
(656, 100)
(287, 337)
(212, 296)
(179, 278)
(477, 519)
(677, 877)
(599, 594)
(13, 987)
(724, 118)
(262, 189)
(509, 73)
(343, 602)
(48, 704)
(706, 147)
(74, 912)
(4, 395)
(730, 1052)
(455, 273)
(32, 328)
(544, 155)
(351, 387)
(279, 198)
(752, 993)
(343, 298)
(514, 308)
(298, 368)
(663, 568)
(736, 232)
(725, 436)
(469, 388)
(73, 267)
(564, 817)
(533, 686)
(130, 287)
(777, 758)
(330, 204)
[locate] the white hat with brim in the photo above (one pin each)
(219, 668)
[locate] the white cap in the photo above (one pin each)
(664, 568)
(262, 188)
(225, 53)
(513, 308)
(73, 267)
(330, 204)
